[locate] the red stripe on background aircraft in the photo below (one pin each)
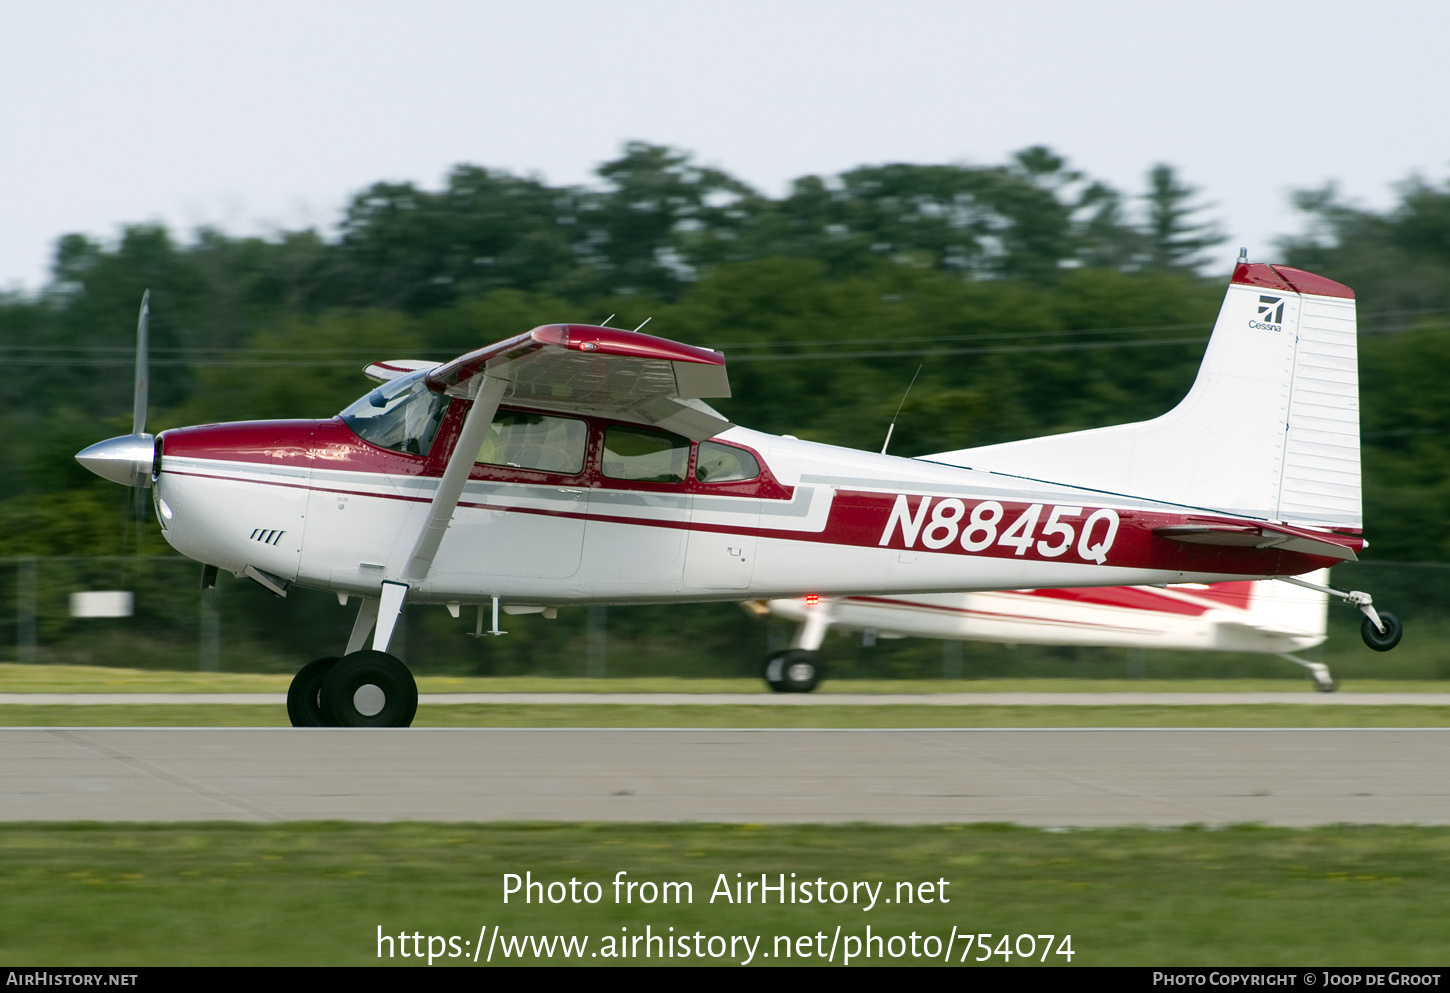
(1261, 616)
(577, 464)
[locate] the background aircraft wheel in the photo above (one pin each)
(304, 701)
(1382, 641)
(1326, 686)
(369, 689)
(772, 671)
(795, 671)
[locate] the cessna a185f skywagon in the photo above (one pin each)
(1261, 616)
(576, 464)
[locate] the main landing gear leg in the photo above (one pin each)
(1318, 671)
(1381, 631)
(363, 688)
(798, 670)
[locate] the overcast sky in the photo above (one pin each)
(261, 115)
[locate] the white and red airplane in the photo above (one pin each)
(576, 464)
(1262, 616)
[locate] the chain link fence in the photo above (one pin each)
(55, 611)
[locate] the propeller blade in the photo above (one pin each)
(143, 376)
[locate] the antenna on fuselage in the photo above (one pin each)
(894, 416)
(644, 322)
(605, 323)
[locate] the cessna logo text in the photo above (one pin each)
(939, 523)
(1271, 314)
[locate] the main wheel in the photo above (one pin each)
(304, 700)
(369, 689)
(795, 671)
(1382, 641)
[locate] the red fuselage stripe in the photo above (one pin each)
(857, 520)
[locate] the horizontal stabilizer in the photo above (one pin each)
(1257, 536)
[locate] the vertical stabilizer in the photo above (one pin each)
(1270, 429)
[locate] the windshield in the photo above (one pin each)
(402, 414)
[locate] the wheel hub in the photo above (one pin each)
(369, 699)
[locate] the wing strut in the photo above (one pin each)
(440, 511)
(388, 608)
(367, 616)
(450, 487)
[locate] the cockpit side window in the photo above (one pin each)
(402, 415)
(535, 441)
(719, 463)
(645, 455)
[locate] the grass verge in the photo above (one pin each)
(320, 893)
(16, 678)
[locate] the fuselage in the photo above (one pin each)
(313, 503)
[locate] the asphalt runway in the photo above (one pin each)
(1043, 777)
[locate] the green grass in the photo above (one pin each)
(317, 893)
(79, 679)
(16, 678)
(743, 715)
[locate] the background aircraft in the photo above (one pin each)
(577, 464)
(1260, 616)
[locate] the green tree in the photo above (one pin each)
(1397, 262)
(1012, 220)
(409, 249)
(659, 219)
(1174, 241)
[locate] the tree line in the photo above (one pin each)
(1033, 298)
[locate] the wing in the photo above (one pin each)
(592, 370)
(574, 368)
(384, 372)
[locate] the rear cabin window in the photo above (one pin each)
(645, 455)
(724, 464)
(535, 441)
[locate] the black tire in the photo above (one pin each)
(1378, 640)
(770, 672)
(304, 699)
(795, 671)
(369, 689)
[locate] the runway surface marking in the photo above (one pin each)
(1042, 777)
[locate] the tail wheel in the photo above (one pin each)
(369, 689)
(304, 696)
(1382, 641)
(795, 671)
